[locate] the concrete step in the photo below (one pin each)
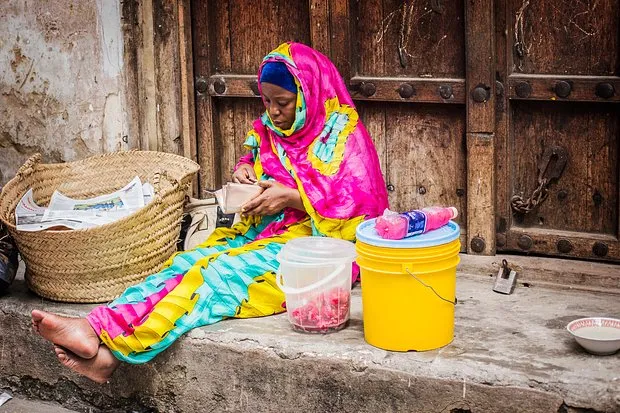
(511, 353)
(19, 405)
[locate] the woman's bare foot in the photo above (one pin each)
(98, 368)
(74, 334)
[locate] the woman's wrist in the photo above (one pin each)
(294, 200)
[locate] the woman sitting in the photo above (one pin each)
(320, 176)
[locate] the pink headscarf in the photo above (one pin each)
(329, 157)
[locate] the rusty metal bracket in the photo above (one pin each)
(550, 169)
(552, 163)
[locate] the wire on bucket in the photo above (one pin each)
(428, 286)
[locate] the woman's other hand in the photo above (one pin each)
(272, 200)
(244, 174)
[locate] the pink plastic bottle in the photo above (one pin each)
(392, 225)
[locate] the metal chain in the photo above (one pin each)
(538, 197)
(550, 168)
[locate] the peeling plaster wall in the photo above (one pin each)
(61, 81)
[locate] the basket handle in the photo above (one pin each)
(157, 187)
(157, 176)
(28, 166)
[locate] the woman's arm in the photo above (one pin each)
(274, 198)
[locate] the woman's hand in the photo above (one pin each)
(272, 200)
(244, 174)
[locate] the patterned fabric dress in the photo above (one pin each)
(327, 155)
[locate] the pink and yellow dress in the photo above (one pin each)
(327, 155)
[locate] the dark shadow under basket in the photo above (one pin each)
(97, 264)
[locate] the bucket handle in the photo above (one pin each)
(428, 286)
(307, 288)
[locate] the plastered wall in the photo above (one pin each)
(61, 81)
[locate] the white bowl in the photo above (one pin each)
(598, 335)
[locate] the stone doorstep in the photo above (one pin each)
(509, 354)
(549, 272)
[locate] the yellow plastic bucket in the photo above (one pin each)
(408, 287)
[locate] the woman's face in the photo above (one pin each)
(280, 104)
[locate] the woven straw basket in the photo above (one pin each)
(98, 264)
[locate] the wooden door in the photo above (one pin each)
(436, 85)
(558, 64)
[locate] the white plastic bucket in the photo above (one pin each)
(315, 275)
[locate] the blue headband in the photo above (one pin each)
(277, 74)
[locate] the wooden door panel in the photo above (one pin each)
(233, 119)
(566, 37)
(585, 198)
(561, 68)
(219, 33)
(373, 116)
(244, 32)
(417, 45)
(421, 151)
(404, 55)
(426, 160)
(410, 38)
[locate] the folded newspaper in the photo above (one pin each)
(68, 213)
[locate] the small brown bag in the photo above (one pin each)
(204, 215)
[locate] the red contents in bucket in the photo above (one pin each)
(324, 312)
